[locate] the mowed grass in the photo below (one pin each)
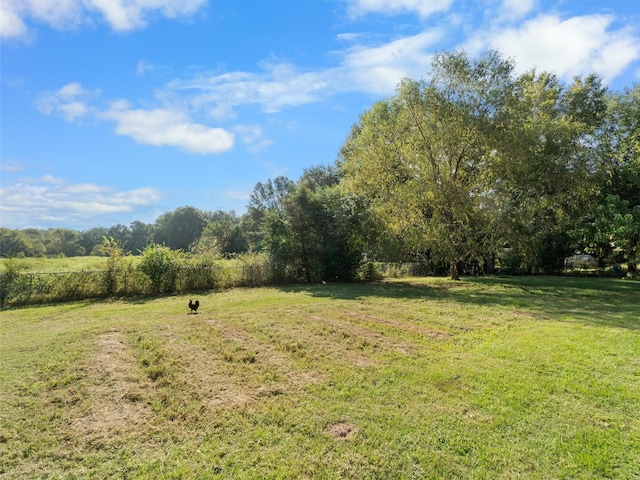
(496, 378)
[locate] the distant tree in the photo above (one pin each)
(120, 233)
(180, 228)
(318, 231)
(92, 238)
(140, 235)
(14, 243)
(226, 229)
(63, 241)
(37, 239)
(266, 199)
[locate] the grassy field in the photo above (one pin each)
(62, 264)
(496, 378)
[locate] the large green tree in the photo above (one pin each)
(421, 156)
(610, 228)
(317, 231)
(477, 158)
(542, 176)
(620, 147)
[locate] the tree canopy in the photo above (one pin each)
(476, 158)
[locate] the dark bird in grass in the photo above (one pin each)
(194, 306)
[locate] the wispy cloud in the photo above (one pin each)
(158, 127)
(38, 202)
(422, 8)
(10, 167)
(253, 137)
(71, 102)
(374, 69)
(590, 43)
(120, 15)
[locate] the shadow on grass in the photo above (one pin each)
(594, 301)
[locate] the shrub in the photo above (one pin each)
(161, 265)
(369, 271)
(8, 279)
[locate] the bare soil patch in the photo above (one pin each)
(116, 394)
(342, 430)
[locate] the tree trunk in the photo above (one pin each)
(455, 275)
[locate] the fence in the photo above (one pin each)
(47, 287)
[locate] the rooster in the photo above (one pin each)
(194, 306)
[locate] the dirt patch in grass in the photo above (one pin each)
(342, 430)
(115, 394)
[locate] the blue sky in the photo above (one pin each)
(120, 110)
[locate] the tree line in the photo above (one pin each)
(471, 168)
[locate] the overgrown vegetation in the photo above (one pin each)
(487, 378)
(159, 270)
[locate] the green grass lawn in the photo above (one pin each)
(496, 378)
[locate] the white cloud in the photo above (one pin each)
(575, 46)
(120, 15)
(70, 101)
(158, 127)
(515, 9)
(167, 127)
(423, 8)
(37, 202)
(11, 24)
(279, 85)
(253, 137)
(379, 69)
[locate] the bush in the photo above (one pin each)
(369, 271)
(8, 279)
(161, 265)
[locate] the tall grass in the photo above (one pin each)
(160, 272)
